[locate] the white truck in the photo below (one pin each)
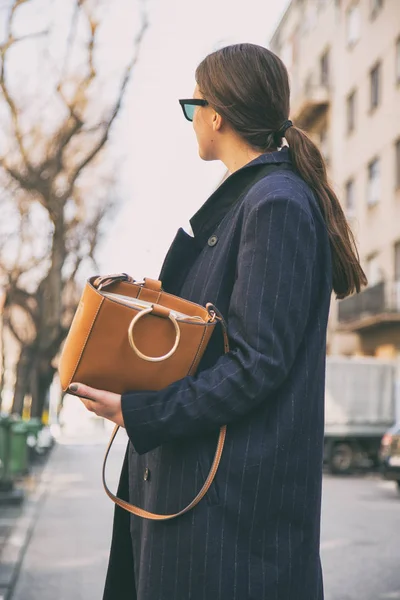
(361, 403)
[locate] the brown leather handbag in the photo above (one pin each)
(133, 336)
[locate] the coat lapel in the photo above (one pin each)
(235, 187)
(180, 257)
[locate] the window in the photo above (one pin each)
(353, 24)
(374, 273)
(373, 182)
(350, 198)
(324, 69)
(376, 6)
(375, 76)
(398, 60)
(351, 112)
(397, 163)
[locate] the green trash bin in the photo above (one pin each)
(5, 431)
(34, 426)
(19, 448)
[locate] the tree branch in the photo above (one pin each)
(71, 36)
(79, 97)
(18, 297)
(28, 183)
(117, 106)
(67, 131)
(7, 323)
(4, 48)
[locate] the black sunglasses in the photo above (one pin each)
(188, 106)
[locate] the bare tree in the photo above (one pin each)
(55, 195)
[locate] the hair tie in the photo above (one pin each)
(282, 129)
(280, 133)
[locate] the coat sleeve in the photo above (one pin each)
(267, 317)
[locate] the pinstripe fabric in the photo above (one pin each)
(256, 534)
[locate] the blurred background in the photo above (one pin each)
(93, 147)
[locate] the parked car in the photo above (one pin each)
(390, 455)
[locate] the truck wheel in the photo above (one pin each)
(341, 459)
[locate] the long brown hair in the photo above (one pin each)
(248, 85)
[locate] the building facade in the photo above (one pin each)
(343, 58)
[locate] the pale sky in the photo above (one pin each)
(163, 181)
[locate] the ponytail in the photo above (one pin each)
(348, 275)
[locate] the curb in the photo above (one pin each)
(18, 541)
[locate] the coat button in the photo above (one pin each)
(146, 475)
(212, 240)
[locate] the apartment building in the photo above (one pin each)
(343, 57)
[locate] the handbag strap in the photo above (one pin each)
(141, 512)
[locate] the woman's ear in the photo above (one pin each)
(217, 121)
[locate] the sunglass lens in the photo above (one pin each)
(189, 111)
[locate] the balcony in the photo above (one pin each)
(376, 306)
(310, 106)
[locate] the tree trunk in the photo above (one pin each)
(52, 287)
(23, 378)
(40, 384)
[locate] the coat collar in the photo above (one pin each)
(218, 204)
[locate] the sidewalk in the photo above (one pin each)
(66, 551)
(16, 522)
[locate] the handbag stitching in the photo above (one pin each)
(157, 301)
(85, 342)
(198, 351)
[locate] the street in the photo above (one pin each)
(67, 555)
(360, 538)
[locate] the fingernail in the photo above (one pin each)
(73, 387)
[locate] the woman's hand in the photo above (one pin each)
(102, 403)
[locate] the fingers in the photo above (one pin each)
(86, 394)
(84, 391)
(89, 405)
(103, 404)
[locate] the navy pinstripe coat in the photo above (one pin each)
(263, 258)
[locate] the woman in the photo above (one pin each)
(268, 247)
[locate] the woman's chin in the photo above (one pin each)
(206, 155)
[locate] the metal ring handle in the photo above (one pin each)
(153, 358)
